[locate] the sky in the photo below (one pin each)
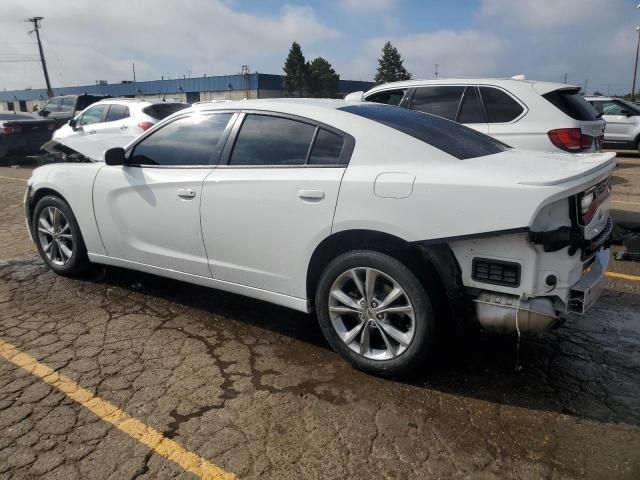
(591, 41)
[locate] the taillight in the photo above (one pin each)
(145, 125)
(570, 139)
(51, 126)
(9, 129)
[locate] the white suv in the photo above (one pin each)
(127, 116)
(623, 121)
(522, 113)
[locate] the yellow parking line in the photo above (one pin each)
(110, 413)
(13, 178)
(624, 276)
(626, 203)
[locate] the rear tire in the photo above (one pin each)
(57, 236)
(375, 313)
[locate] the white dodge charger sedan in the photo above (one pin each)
(384, 221)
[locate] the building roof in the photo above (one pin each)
(252, 81)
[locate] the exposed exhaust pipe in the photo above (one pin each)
(497, 312)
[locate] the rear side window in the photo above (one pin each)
(471, 108)
(499, 105)
(268, 140)
(571, 103)
(327, 148)
(163, 110)
(453, 138)
(186, 141)
(117, 112)
(438, 100)
(389, 97)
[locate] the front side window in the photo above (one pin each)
(388, 97)
(67, 104)
(117, 112)
(499, 105)
(471, 108)
(442, 101)
(52, 106)
(92, 115)
(268, 140)
(192, 140)
(613, 107)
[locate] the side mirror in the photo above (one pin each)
(73, 123)
(114, 156)
(626, 113)
(43, 113)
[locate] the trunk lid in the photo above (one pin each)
(534, 168)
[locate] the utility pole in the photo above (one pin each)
(134, 71)
(436, 72)
(36, 27)
(635, 70)
(565, 78)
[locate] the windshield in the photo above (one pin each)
(457, 140)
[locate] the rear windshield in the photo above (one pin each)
(163, 110)
(571, 103)
(457, 140)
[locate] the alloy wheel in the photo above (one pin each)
(54, 235)
(371, 313)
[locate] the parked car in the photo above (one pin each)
(64, 108)
(623, 122)
(129, 116)
(23, 134)
(524, 114)
(383, 220)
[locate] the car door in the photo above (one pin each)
(116, 120)
(148, 210)
(271, 202)
(87, 121)
(621, 121)
(453, 102)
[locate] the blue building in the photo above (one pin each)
(223, 87)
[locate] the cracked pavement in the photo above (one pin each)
(254, 388)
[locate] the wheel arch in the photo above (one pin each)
(434, 264)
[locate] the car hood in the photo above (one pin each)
(90, 146)
(535, 168)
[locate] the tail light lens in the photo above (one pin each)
(9, 129)
(591, 199)
(570, 139)
(145, 125)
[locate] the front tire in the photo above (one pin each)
(375, 312)
(57, 236)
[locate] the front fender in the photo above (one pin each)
(74, 183)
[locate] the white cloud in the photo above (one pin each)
(368, 5)
(546, 13)
(86, 41)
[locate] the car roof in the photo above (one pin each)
(599, 97)
(273, 103)
(540, 86)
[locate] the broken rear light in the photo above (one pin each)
(145, 125)
(570, 139)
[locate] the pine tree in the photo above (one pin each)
(295, 71)
(391, 66)
(322, 79)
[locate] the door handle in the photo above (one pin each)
(124, 127)
(186, 193)
(92, 131)
(311, 195)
